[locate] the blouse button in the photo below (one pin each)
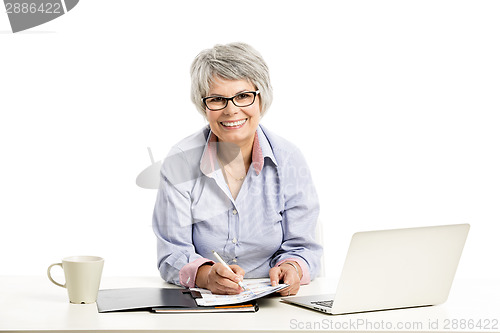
(235, 241)
(235, 212)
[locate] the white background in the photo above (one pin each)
(395, 105)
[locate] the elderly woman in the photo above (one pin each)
(235, 187)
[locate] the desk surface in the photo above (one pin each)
(35, 304)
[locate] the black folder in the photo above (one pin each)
(162, 300)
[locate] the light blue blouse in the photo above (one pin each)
(272, 219)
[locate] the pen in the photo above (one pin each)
(219, 259)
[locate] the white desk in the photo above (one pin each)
(35, 304)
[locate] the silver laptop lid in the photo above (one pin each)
(399, 268)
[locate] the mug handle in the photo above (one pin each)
(50, 277)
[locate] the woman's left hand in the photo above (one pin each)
(286, 273)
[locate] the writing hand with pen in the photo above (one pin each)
(224, 279)
(221, 278)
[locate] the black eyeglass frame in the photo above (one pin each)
(227, 99)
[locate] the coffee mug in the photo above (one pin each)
(83, 276)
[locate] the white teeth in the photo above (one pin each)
(234, 123)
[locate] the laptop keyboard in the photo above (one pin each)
(327, 304)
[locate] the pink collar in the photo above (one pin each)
(209, 157)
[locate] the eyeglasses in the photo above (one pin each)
(216, 103)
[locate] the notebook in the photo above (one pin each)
(175, 300)
(161, 300)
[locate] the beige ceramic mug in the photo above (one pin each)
(83, 277)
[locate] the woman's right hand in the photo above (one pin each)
(219, 280)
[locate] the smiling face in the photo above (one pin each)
(234, 124)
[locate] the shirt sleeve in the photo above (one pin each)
(300, 214)
(178, 261)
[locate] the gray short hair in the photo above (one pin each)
(234, 61)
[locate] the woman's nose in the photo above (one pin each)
(231, 109)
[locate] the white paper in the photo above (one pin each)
(257, 289)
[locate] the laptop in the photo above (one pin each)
(393, 269)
